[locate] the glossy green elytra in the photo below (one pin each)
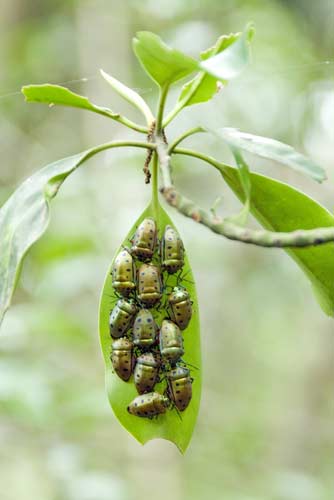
(180, 387)
(123, 273)
(122, 357)
(144, 329)
(149, 285)
(146, 372)
(172, 250)
(148, 405)
(180, 307)
(121, 317)
(171, 341)
(144, 240)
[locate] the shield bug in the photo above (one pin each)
(123, 273)
(180, 306)
(122, 358)
(171, 341)
(146, 372)
(149, 284)
(172, 250)
(179, 387)
(144, 329)
(144, 240)
(121, 317)
(148, 405)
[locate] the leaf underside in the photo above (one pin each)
(280, 207)
(273, 150)
(25, 217)
(168, 426)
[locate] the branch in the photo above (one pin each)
(299, 238)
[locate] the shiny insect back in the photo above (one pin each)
(124, 273)
(144, 240)
(179, 387)
(144, 329)
(121, 317)
(149, 285)
(180, 307)
(172, 251)
(122, 357)
(146, 372)
(171, 342)
(149, 405)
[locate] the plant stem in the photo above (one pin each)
(118, 144)
(232, 231)
(154, 181)
(125, 121)
(161, 107)
(183, 136)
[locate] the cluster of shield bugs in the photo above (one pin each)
(148, 320)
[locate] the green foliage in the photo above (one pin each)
(163, 64)
(25, 217)
(61, 96)
(130, 95)
(168, 426)
(280, 207)
(274, 150)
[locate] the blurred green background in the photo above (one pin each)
(265, 429)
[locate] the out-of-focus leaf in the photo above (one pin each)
(57, 95)
(272, 149)
(130, 95)
(25, 217)
(162, 63)
(279, 207)
(203, 86)
(168, 426)
(229, 63)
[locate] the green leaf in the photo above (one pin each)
(204, 86)
(25, 217)
(272, 149)
(57, 95)
(130, 95)
(280, 207)
(162, 63)
(229, 63)
(168, 426)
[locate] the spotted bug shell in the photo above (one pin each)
(144, 240)
(149, 285)
(180, 307)
(148, 405)
(122, 357)
(146, 372)
(171, 341)
(123, 273)
(180, 387)
(144, 329)
(121, 317)
(172, 250)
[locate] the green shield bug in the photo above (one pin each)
(123, 273)
(121, 317)
(171, 341)
(179, 387)
(149, 284)
(148, 405)
(180, 307)
(122, 358)
(172, 250)
(144, 329)
(146, 372)
(144, 240)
